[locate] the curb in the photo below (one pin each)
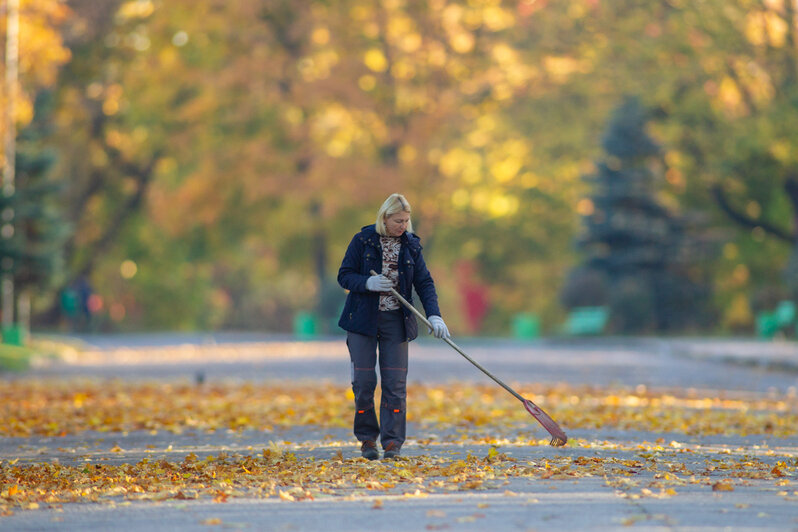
(773, 355)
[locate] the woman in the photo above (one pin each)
(373, 317)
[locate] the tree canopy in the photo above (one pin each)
(217, 156)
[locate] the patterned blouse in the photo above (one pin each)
(390, 269)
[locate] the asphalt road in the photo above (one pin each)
(523, 504)
(655, 363)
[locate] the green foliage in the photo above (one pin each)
(34, 254)
(633, 246)
(230, 150)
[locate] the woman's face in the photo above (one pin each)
(396, 224)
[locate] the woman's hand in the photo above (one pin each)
(439, 328)
(378, 283)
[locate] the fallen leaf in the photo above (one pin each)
(722, 486)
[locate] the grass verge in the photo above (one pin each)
(15, 358)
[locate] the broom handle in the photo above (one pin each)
(454, 345)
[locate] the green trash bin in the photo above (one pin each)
(14, 335)
(586, 321)
(305, 325)
(785, 313)
(766, 325)
(526, 326)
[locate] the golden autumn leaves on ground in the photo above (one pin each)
(453, 421)
(52, 408)
(290, 478)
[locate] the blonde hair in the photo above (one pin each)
(395, 203)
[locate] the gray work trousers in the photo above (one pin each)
(392, 343)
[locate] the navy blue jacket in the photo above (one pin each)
(364, 254)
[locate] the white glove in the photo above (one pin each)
(439, 328)
(378, 283)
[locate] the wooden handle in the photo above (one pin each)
(453, 345)
(558, 436)
(406, 303)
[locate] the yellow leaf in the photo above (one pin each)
(722, 486)
(79, 399)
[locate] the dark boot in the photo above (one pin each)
(391, 450)
(369, 450)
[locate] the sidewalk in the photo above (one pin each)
(672, 470)
(770, 354)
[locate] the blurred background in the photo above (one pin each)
(580, 167)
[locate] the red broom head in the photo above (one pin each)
(558, 437)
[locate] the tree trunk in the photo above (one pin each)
(143, 177)
(319, 253)
(791, 187)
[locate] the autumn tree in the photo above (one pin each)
(717, 76)
(224, 153)
(314, 120)
(33, 232)
(739, 144)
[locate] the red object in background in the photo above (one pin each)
(474, 293)
(95, 303)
